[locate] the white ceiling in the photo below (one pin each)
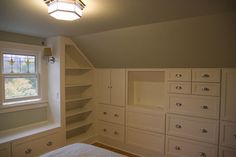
(30, 16)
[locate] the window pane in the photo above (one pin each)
(19, 64)
(20, 87)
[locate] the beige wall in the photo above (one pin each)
(206, 41)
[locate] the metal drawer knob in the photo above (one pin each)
(104, 113)
(235, 136)
(205, 75)
(205, 89)
(178, 104)
(116, 133)
(204, 107)
(202, 154)
(178, 87)
(178, 126)
(204, 131)
(178, 75)
(49, 143)
(116, 115)
(104, 130)
(28, 151)
(177, 148)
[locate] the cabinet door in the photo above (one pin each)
(118, 87)
(5, 150)
(228, 98)
(103, 86)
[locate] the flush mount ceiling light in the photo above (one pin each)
(65, 9)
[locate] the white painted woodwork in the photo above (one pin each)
(104, 86)
(227, 152)
(179, 87)
(228, 134)
(111, 114)
(199, 106)
(228, 95)
(112, 131)
(5, 150)
(179, 147)
(178, 74)
(200, 129)
(206, 75)
(208, 89)
(145, 140)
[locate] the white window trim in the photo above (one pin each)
(16, 48)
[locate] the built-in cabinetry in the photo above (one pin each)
(228, 114)
(111, 103)
(5, 150)
(79, 92)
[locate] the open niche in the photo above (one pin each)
(146, 88)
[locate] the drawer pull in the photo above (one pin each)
(235, 136)
(105, 113)
(116, 133)
(104, 130)
(204, 131)
(205, 89)
(202, 154)
(205, 107)
(116, 115)
(205, 75)
(178, 104)
(178, 126)
(178, 75)
(28, 151)
(178, 87)
(177, 148)
(49, 143)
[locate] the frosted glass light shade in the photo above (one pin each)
(65, 9)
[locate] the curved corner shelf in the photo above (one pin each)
(78, 68)
(77, 125)
(78, 99)
(77, 112)
(78, 85)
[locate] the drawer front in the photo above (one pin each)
(111, 114)
(195, 128)
(228, 134)
(149, 122)
(210, 89)
(176, 147)
(145, 139)
(206, 75)
(179, 87)
(37, 146)
(227, 152)
(113, 131)
(179, 75)
(202, 106)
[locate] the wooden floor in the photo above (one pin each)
(114, 150)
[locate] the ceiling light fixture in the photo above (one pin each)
(65, 9)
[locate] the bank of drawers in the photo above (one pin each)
(179, 147)
(35, 146)
(111, 130)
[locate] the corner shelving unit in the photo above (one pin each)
(79, 93)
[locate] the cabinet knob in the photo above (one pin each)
(116, 133)
(205, 75)
(105, 113)
(205, 107)
(104, 130)
(178, 104)
(178, 126)
(49, 143)
(205, 89)
(204, 131)
(178, 75)
(177, 148)
(178, 87)
(28, 151)
(235, 136)
(202, 154)
(116, 115)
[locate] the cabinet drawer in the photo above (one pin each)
(195, 128)
(146, 121)
(145, 139)
(179, 87)
(34, 147)
(210, 89)
(206, 75)
(227, 152)
(202, 106)
(111, 114)
(113, 131)
(179, 75)
(178, 147)
(228, 134)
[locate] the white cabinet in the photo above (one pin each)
(5, 150)
(228, 134)
(111, 86)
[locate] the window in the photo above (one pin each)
(20, 77)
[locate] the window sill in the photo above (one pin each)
(23, 105)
